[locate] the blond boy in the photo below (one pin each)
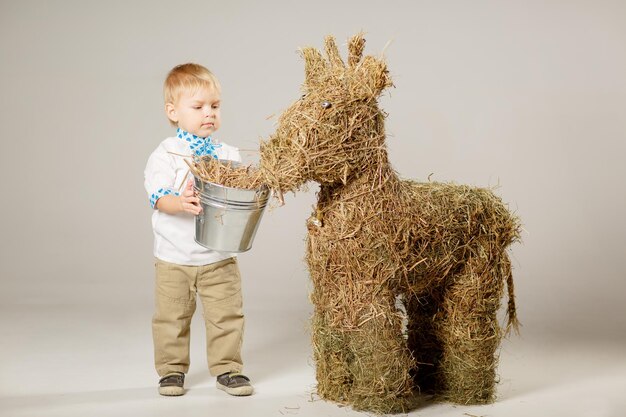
(183, 267)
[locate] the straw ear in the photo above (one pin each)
(333, 52)
(355, 49)
(376, 74)
(314, 65)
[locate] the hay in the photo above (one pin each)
(226, 173)
(407, 276)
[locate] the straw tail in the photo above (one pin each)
(513, 322)
(507, 236)
(512, 235)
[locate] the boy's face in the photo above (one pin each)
(197, 112)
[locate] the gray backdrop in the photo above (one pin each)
(530, 96)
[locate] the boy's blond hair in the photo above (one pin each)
(187, 78)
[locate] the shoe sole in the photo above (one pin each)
(171, 391)
(239, 391)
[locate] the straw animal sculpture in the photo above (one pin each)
(407, 276)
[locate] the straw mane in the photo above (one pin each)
(407, 276)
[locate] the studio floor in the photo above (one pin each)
(94, 361)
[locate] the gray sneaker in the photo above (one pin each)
(235, 383)
(172, 384)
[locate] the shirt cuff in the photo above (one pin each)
(160, 193)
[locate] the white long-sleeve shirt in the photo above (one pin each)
(166, 173)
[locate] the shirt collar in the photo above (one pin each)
(199, 146)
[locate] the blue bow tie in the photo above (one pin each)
(199, 146)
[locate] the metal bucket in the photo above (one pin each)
(230, 216)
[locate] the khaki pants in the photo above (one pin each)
(219, 288)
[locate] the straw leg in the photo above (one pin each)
(334, 379)
(330, 342)
(423, 340)
(367, 367)
(470, 334)
(381, 362)
(362, 359)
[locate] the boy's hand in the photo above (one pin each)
(188, 200)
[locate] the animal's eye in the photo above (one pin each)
(326, 104)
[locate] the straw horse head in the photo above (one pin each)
(335, 128)
(407, 276)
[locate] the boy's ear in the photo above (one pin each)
(170, 111)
